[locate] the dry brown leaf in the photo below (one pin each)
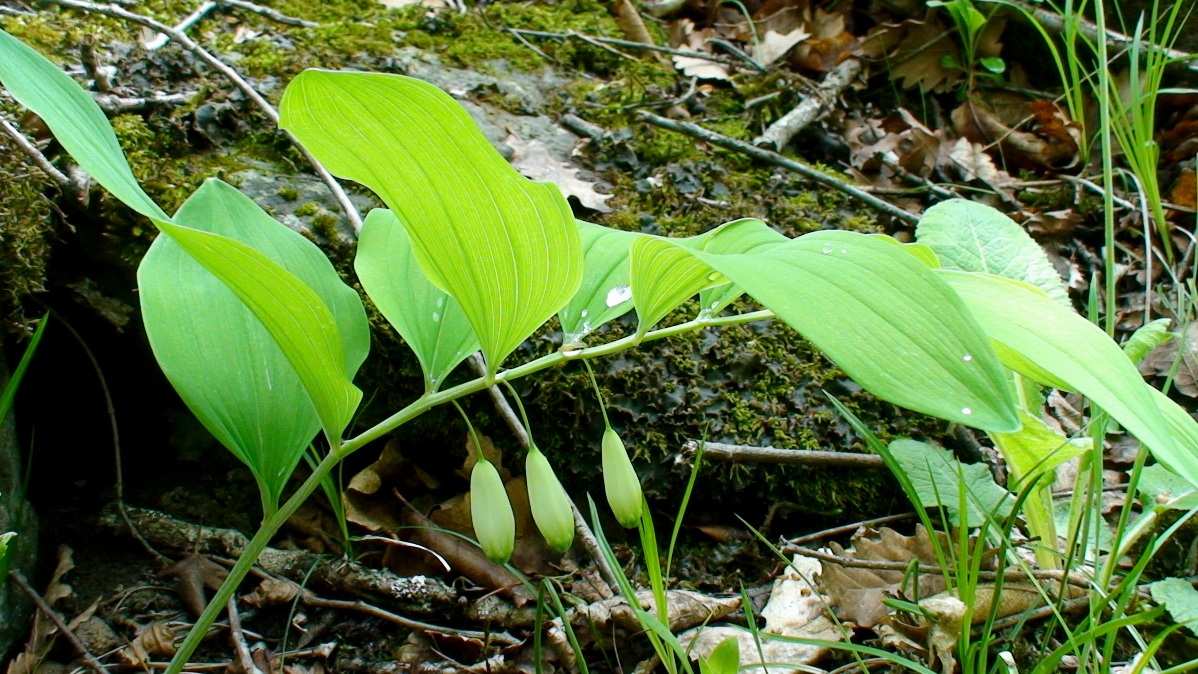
(685, 37)
(1159, 361)
(532, 159)
(1050, 141)
(318, 527)
(368, 500)
(1184, 190)
(155, 641)
(631, 24)
(272, 592)
(44, 632)
(195, 572)
(774, 46)
(858, 593)
(969, 162)
(829, 43)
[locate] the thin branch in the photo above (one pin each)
(244, 659)
(848, 528)
(38, 158)
(627, 44)
(47, 610)
(223, 68)
(716, 451)
(272, 14)
(1009, 575)
(696, 131)
(1115, 40)
(119, 105)
(159, 41)
(407, 623)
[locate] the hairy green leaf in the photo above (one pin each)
(969, 236)
(429, 320)
(1072, 351)
(1180, 598)
(938, 478)
(505, 247)
(1162, 488)
(1036, 449)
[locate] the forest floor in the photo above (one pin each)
(669, 118)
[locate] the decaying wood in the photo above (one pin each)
(812, 107)
(418, 594)
(716, 451)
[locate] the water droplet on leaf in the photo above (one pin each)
(966, 410)
(619, 294)
(967, 358)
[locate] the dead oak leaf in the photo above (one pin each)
(532, 159)
(195, 572)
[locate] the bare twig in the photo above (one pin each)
(119, 105)
(1009, 575)
(848, 528)
(499, 638)
(39, 159)
(244, 659)
(272, 14)
(116, 438)
(776, 159)
(159, 41)
(47, 610)
(580, 524)
(582, 127)
(716, 451)
(627, 44)
(223, 68)
(1115, 40)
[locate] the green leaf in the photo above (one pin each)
(884, 318)
(938, 478)
(1036, 449)
(665, 273)
(725, 658)
(1180, 598)
(605, 293)
(1162, 488)
(429, 320)
(291, 312)
(1146, 338)
(18, 373)
(5, 559)
(994, 64)
(77, 122)
(1072, 351)
(968, 236)
(220, 357)
(507, 248)
(1184, 430)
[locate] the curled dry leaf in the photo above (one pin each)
(368, 500)
(684, 36)
(858, 592)
(795, 609)
(1050, 141)
(1160, 360)
(44, 632)
(918, 51)
(272, 592)
(194, 573)
(155, 641)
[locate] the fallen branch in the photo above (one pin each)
(696, 131)
(223, 68)
(420, 595)
(811, 107)
(717, 451)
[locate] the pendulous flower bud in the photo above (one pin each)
(491, 512)
(620, 481)
(550, 507)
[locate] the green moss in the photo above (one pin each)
(288, 193)
(25, 226)
(307, 210)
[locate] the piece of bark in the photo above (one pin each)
(812, 107)
(417, 595)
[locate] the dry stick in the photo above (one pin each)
(812, 107)
(244, 659)
(38, 158)
(188, 21)
(1114, 39)
(1011, 574)
(50, 613)
(717, 451)
(119, 105)
(223, 68)
(580, 525)
(272, 14)
(408, 623)
(627, 44)
(116, 438)
(848, 528)
(696, 131)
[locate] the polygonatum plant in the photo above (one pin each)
(262, 339)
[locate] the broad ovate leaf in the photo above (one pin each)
(220, 357)
(1073, 351)
(1180, 598)
(885, 318)
(507, 248)
(293, 314)
(429, 320)
(938, 478)
(1146, 338)
(605, 293)
(968, 236)
(1184, 430)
